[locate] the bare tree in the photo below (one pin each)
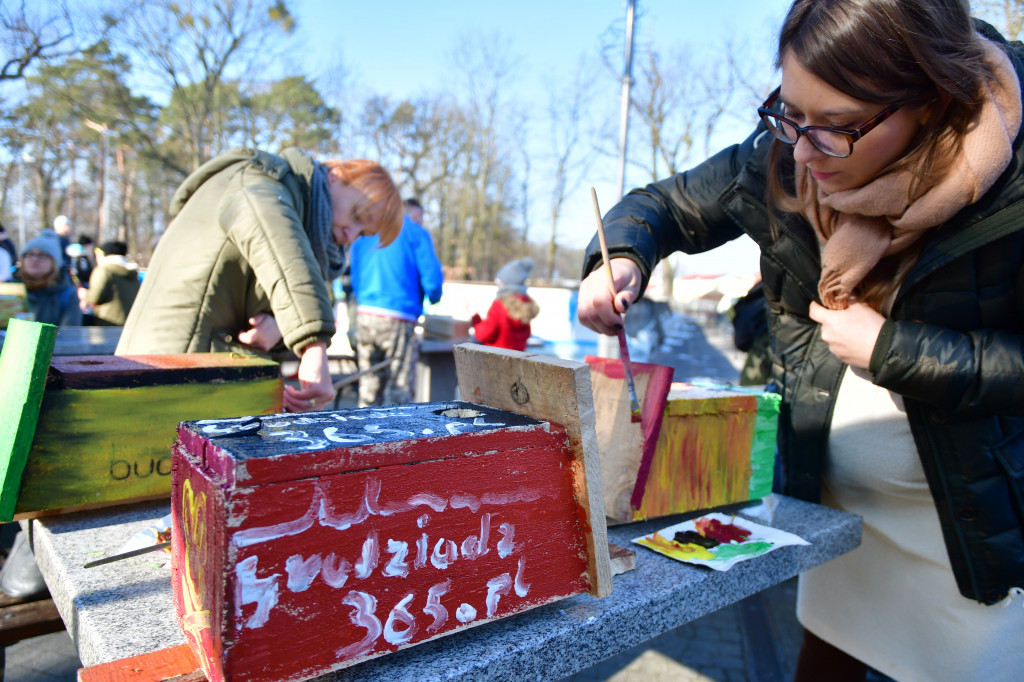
(484, 194)
(678, 104)
(28, 37)
(194, 47)
(567, 110)
(1005, 15)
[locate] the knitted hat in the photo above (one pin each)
(511, 278)
(114, 248)
(49, 243)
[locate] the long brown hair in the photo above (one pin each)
(908, 52)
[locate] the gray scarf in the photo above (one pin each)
(329, 255)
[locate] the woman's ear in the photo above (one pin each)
(935, 108)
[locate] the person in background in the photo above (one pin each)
(81, 255)
(51, 293)
(390, 283)
(884, 186)
(113, 287)
(6, 265)
(8, 245)
(245, 262)
(507, 324)
(750, 335)
(62, 226)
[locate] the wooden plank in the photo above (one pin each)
(623, 560)
(24, 361)
(175, 663)
(28, 619)
(627, 447)
(129, 371)
(557, 391)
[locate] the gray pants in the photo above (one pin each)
(380, 338)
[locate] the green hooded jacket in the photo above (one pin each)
(236, 247)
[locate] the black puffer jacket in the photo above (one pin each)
(953, 346)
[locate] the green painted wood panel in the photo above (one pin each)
(23, 364)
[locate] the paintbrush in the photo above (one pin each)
(634, 404)
(125, 555)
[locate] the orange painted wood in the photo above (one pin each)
(711, 447)
(155, 666)
(128, 371)
(308, 543)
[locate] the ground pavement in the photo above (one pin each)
(756, 639)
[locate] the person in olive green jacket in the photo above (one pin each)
(113, 285)
(245, 263)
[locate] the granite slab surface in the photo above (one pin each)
(125, 608)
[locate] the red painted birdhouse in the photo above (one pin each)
(307, 543)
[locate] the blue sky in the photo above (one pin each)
(403, 49)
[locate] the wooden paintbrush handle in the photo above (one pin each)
(604, 247)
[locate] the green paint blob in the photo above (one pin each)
(731, 551)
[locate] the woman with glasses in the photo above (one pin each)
(52, 296)
(884, 188)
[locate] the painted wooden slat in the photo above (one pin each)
(627, 447)
(155, 666)
(130, 371)
(623, 560)
(553, 390)
(28, 619)
(24, 361)
(346, 440)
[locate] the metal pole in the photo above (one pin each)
(627, 83)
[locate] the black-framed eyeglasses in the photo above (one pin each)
(837, 142)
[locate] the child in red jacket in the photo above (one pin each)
(508, 320)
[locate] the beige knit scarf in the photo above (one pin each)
(858, 227)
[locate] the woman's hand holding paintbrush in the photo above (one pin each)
(617, 301)
(600, 312)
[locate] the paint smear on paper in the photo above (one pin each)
(676, 550)
(721, 557)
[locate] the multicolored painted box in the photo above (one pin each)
(308, 543)
(106, 424)
(715, 446)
